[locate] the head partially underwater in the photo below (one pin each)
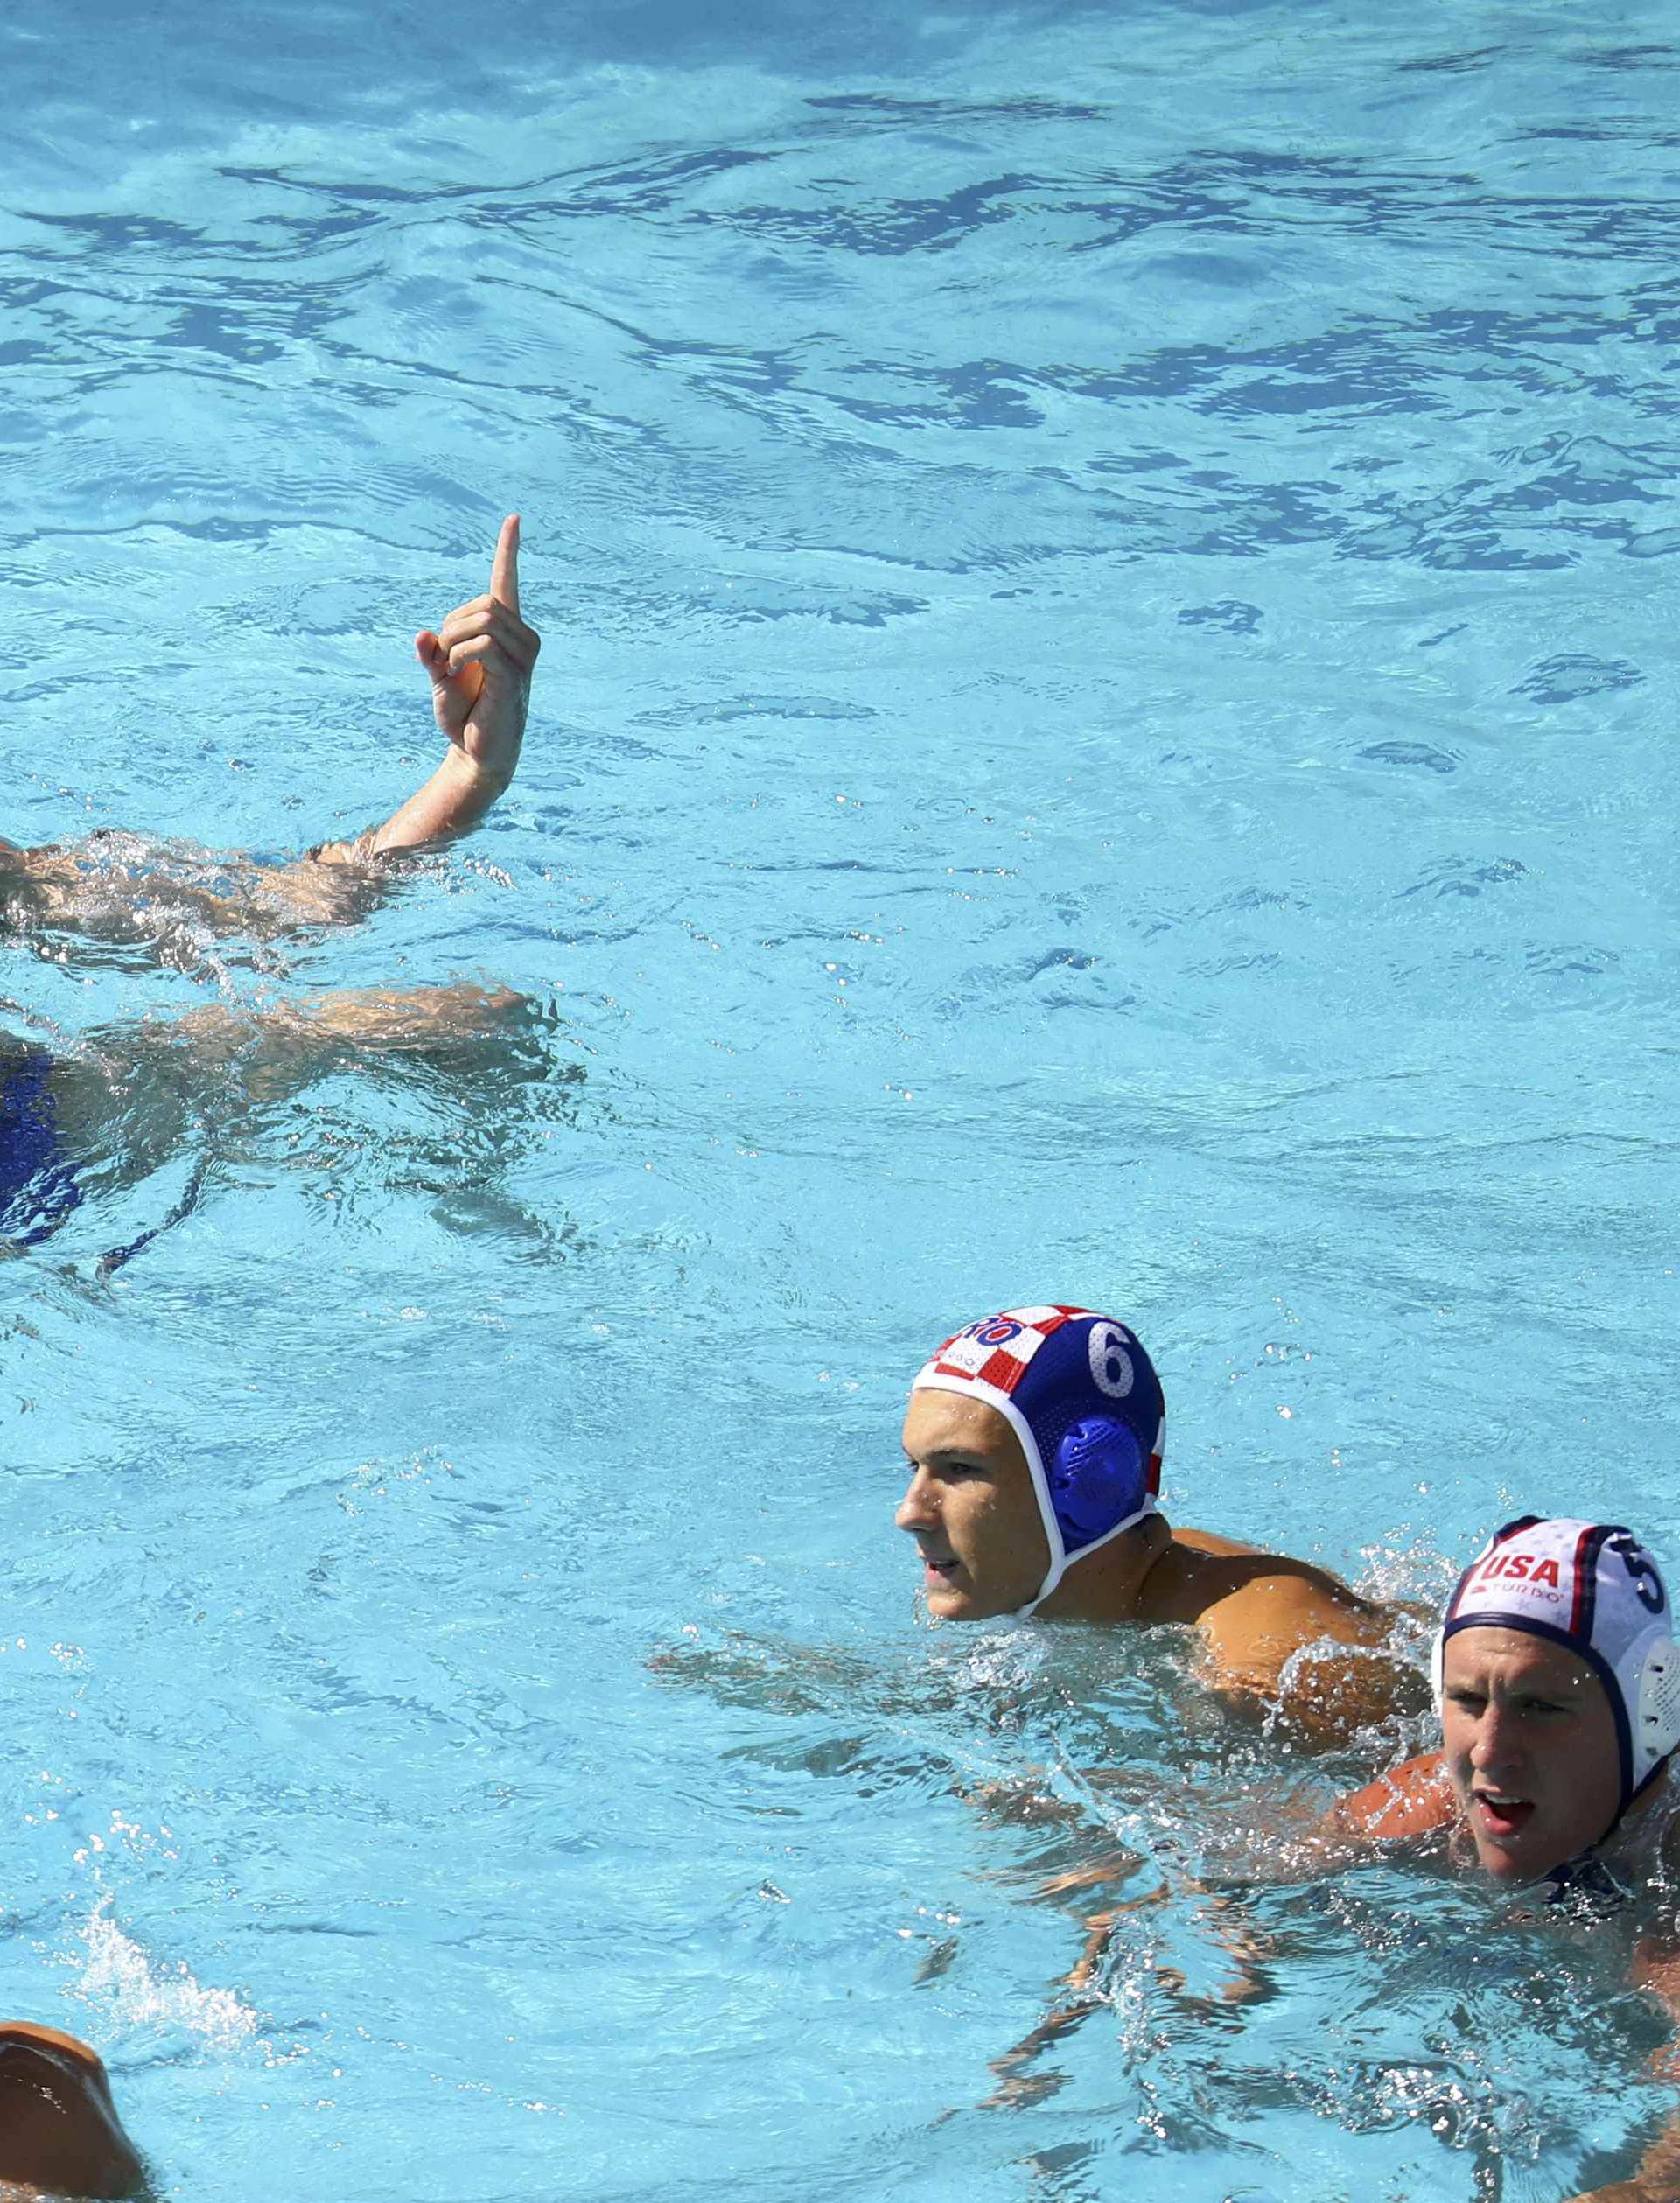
(1558, 1683)
(1034, 1438)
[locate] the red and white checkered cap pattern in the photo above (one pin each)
(993, 1355)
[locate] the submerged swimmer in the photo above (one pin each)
(60, 2132)
(1034, 1443)
(133, 1089)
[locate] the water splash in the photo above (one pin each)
(143, 1992)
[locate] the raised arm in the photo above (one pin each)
(479, 666)
(479, 662)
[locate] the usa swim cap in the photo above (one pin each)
(1083, 1397)
(1592, 1588)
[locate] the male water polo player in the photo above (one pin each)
(60, 2133)
(1557, 1678)
(1558, 1683)
(1034, 1442)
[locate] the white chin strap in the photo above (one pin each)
(1061, 1560)
(1059, 1566)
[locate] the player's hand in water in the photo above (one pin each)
(479, 662)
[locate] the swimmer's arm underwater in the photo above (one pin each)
(1411, 1801)
(1220, 1917)
(1655, 2178)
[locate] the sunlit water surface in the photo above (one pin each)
(1104, 732)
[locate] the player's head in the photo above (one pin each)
(1034, 1438)
(1558, 1683)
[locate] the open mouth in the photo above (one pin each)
(1502, 1816)
(938, 1572)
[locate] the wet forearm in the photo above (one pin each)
(450, 804)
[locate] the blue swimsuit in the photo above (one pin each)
(37, 1184)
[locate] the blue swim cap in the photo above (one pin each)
(1083, 1397)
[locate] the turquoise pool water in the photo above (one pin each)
(1105, 732)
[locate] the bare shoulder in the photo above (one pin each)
(1222, 1548)
(1294, 1599)
(1243, 1596)
(1285, 1633)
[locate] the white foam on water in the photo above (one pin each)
(146, 1992)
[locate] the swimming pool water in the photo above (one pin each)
(1103, 731)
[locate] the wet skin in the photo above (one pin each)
(1529, 1748)
(971, 1508)
(60, 2132)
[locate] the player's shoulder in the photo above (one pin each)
(1217, 1547)
(1228, 1568)
(1248, 1593)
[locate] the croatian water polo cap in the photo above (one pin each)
(1083, 1397)
(1592, 1588)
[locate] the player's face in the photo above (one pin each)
(1531, 1751)
(971, 1508)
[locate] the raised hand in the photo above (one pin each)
(479, 666)
(479, 662)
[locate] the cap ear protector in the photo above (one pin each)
(1097, 1475)
(1657, 1711)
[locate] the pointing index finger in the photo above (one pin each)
(504, 572)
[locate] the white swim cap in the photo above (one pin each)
(1592, 1588)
